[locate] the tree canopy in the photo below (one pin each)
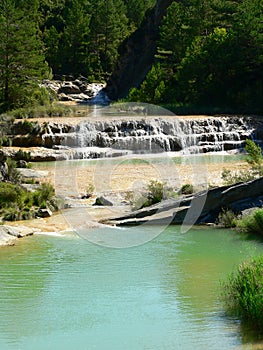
(210, 53)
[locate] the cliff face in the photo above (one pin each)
(137, 54)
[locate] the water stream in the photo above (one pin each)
(66, 293)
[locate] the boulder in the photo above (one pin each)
(63, 97)
(202, 207)
(44, 213)
(3, 171)
(21, 164)
(5, 238)
(9, 234)
(69, 88)
(102, 201)
(2, 157)
(32, 174)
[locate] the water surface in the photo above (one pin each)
(67, 293)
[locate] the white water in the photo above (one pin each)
(154, 134)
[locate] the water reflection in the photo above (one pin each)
(64, 293)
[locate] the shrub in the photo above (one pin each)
(90, 190)
(22, 155)
(243, 292)
(12, 174)
(227, 218)
(187, 189)
(155, 191)
(43, 194)
(12, 214)
(231, 178)
(9, 193)
(18, 204)
(254, 158)
(252, 223)
(254, 153)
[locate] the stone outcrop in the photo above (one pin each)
(77, 91)
(202, 207)
(42, 154)
(9, 234)
(102, 201)
(119, 134)
(3, 166)
(151, 134)
(137, 54)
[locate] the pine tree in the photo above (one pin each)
(109, 27)
(21, 54)
(136, 11)
(75, 39)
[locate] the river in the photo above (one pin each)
(63, 292)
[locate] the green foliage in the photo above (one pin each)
(231, 178)
(12, 174)
(75, 39)
(253, 223)
(152, 89)
(109, 27)
(243, 292)
(44, 194)
(254, 158)
(155, 192)
(6, 122)
(187, 189)
(254, 154)
(18, 204)
(227, 218)
(82, 37)
(22, 155)
(205, 47)
(21, 54)
(41, 112)
(9, 193)
(135, 11)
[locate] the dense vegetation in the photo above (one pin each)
(39, 38)
(209, 52)
(243, 292)
(210, 55)
(17, 202)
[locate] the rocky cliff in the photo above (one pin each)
(137, 54)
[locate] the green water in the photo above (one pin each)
(67, 293)
(159, 158)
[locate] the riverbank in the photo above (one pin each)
(113, 179)
(178, 150)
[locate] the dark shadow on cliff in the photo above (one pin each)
(137, 54)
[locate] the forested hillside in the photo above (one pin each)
(209, 53)
(45, 38)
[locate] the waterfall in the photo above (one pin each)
(153, 134)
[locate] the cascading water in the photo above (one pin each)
(149, 134)
(159, 134)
